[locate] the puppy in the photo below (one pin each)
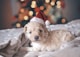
(44, 40)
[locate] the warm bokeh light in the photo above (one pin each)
(47, 1)
(22, 10)
(33, 4)
(58, 4)
(63, 20)
(18, 25)
(21, 0)
(41, 7)
(30, 13)
(52, 9)
(52, 3)
(26, 17)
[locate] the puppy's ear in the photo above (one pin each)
(45, 30)
(25, 28)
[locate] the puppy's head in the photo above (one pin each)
(36, 32)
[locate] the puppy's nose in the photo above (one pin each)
(36, 38)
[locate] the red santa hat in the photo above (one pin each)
(40, 18)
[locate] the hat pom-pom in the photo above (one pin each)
(47, 22)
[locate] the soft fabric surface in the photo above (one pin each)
(12, 42)
(68, 52)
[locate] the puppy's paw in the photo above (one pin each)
(32, 49)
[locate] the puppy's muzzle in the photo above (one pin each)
(36, 38)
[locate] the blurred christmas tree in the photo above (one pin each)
(51, 8)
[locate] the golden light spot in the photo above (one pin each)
(18, 25)
(30, 13)
(58, 4)
(52, 3)
(22, 10)
(33, 4)
(47, 1)
(41, 7)
(26, 17)
(63, 20)
(22, 0)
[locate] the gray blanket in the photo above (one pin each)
(13, 40)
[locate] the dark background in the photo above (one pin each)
(5, 14)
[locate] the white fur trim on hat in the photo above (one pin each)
(47, 22)
(39, 20)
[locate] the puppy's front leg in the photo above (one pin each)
(30, 48)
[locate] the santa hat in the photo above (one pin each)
(40, 18)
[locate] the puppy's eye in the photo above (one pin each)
(30, 32)
(40, 30)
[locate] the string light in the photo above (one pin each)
(22, 0)
(18, 25)
(48, 4)
(30, 13)
(63, 20)
(33, 4)
(26, 17)
(41, 7)
(52, 3)
(47, 1)
(58, 4)
(22, 10)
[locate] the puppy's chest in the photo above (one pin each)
(43, 47)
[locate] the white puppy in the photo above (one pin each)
(44, 40)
